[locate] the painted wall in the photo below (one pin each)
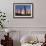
(37, 23)
(39, 13)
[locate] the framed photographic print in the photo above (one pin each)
(22, 9)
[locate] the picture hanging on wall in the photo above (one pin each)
(22, 9)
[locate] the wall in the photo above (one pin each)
(37, 23)
(39, 13)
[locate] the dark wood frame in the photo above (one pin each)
(20, 4)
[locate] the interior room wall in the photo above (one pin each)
(37, 23)
(39, 13)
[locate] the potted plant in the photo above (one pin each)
(2, 19)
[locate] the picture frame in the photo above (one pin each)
(22, 10)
